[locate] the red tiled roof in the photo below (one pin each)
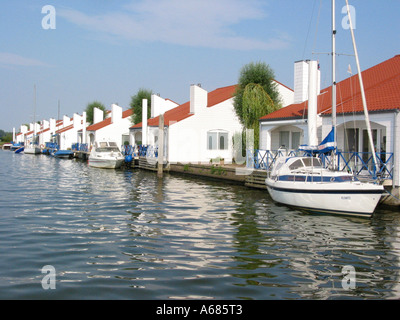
(382, 91)
(107, 121)
(45, 130)
(65, 129)
(182, 112)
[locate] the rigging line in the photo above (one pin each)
(316, 30)
(308, 30)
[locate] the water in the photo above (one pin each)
(124, 234)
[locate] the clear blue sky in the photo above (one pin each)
(106, 50)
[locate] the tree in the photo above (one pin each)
(7, 137)
(136, 105)
(89, 110)
(256, 95)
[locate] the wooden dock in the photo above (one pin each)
(257, 179)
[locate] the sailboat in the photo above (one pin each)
(33, 147)
(304, 183)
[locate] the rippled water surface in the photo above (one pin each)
(124, 234)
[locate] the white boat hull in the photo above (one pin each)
(346, 198)
(33, 150)
(105, 163)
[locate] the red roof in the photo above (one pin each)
(182, 112)
(107, 121)
(65, 129)
(45, 130)
(382, 91)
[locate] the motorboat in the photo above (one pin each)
(63, 154)
(32, 149)
(16, 146)
(106, 154)
(7, 146)
(304, 183)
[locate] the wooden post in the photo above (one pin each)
(160, 146)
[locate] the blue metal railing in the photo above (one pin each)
(140, 151)
(84, 147)
(51, 145)
(357, 162)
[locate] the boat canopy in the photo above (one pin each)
(327, 145)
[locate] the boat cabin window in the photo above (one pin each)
(297, 164)
(107, 149)
(312, 162)
(305, 162)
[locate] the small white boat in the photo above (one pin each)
(304, 183)
(32, 149)
(7, 146)
(106, 154)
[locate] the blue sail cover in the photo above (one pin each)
(327, 145)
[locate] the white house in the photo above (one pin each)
(288, 127)
(68, 133)
(141, 134)
(114, 128)
(20, 136)
(200, 129)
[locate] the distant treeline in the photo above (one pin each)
(5, 136)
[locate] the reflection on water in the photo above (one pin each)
(124, 234)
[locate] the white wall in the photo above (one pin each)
(112, 132)
(160, 105)
(286, 94)
(187, 139)
(70, 136)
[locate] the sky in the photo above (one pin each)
(82, 51)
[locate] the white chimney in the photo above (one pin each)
(52, 125)
(301, 79)
(98, 115)
(84, 127)
(156, 105)
(144, 121)
(66, 121)
(13, 134)
(312, 103)
(23, 129)
(116, 113)
(46, 124)
(77, 120)
(160, 105)
(198, 98)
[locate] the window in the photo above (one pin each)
(217, 140)
(284, 139)
(295, 140)
(289, 139)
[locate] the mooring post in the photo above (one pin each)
(160, 146)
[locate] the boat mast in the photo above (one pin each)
(334, 121)
(34, 114)
(364, 100)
